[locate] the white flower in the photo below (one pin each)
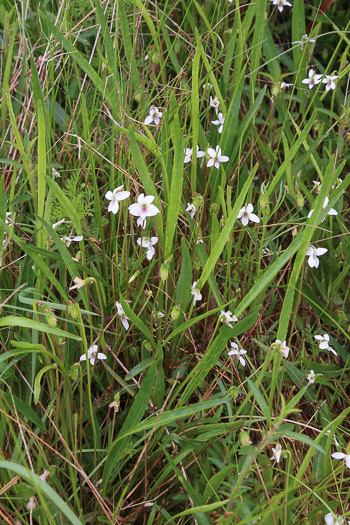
(332, 211)
(189, 152)
(214, 103)
(285, 85)
(31, 505)
(282, 348)
(336, 186)
(45, 475)
(93, 355)
(277, 451)
(318, 185)
(207, 85)
(333, 519)
(122, 315)
(79, 283)
(154, 116)
(329, 81)
(227, 318)
(324, 343)
(313, 253)
(156, 316)
(8, 220)
(335, 438)
(313, 79)
(143, 209)
(281, 4)
(239, 352)
(115, 196)
(55, 173)
(68, 240)
(216, 157)
(148, 243)
(197, 296)
(246, 214)
(54, 226)
(191, 209)
(311, 377)
(304, 40)
(220, 122)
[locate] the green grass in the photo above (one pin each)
(169, 428)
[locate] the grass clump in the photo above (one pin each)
(175, 263)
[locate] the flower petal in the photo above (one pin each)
(338, 455)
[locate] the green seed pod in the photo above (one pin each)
(175, 313)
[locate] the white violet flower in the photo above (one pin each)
(216, 157)
(115, 196)
(335, 438)
(332, 211)
(8, 220)
(329, 81)
(238, 352)
(79, 283)
(123, 318)
(191, 209)
(281, 4)
(220, 122)
(333, 519)
(154, 116)
(324, 343)
(197, 296)
(313, 79)
(189, 152)
(148, 243)
(311, 377)
(313, 254)
(214, 103)
(282, 348)
(93, 355)
(228, 318)
(341, 455)
(55, 224)
(143, 208)
(317, 186)
(304, 40)
(246, 214)
(285, 85)
(68, 240)
(277, 451)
